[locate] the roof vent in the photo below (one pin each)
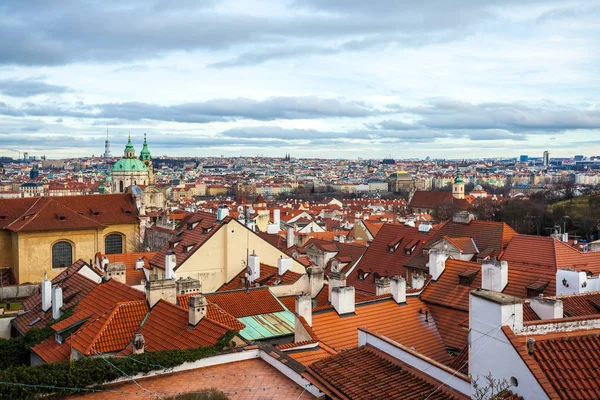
(531, 345)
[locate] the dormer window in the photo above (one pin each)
(466, 278)
(188, 247)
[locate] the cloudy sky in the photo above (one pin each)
(314, 78)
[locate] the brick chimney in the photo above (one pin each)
(116, 271)
(316, 280)
(161, 289)
(398, 289)
(342, 299)
(198, 307)
(46, 293)
(304, 307)
(494, 275)
(138, 343)
(57, 301)
(382, 286)
(188, 285)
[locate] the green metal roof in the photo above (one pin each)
(145, 153)
(267, 326)
(129, 164)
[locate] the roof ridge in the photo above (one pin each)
(28, 210)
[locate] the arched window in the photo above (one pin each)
(120, 186)
(113, 244)
(62, 254)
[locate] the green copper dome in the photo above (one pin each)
(129, 145)
(458, 179)
(145, 153)
(129, 164)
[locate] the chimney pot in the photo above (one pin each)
(198, 308)
(531, 346)
(398, 289)
(494, 275)
(304, 307)
(284, 265)
(57, 301)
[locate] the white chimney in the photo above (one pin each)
(437, 263)
(382, 286)
(336, 279)
(304, 307)
(253, 267)
(565, 237)
(291, 240)
(139, 264)
(316, 280)
(57, 301)
(198, 307)
(494, 275)
(284, 265)
(398, 289)
(222, 212)
(170, 264)
(547, 308)
(418, 281)
(342, 299)
(276, 217)
(46, 293)
(104, 263)
(165, 289)
(116, 271)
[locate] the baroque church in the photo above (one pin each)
(136, 175)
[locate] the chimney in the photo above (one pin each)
(462, 217)
(57, 301)
(547, 308)
(291, 240)
(104, 263)
(494, 275)
(342, 239)
(336, 279)
(188, 285)
(304, 307)
(382, 286)
(398, 289)
(253, 267)
(276, 217)
(222, 212)
(165, 289)
(488, 312)
(46, 293)
(531, 346)
(342, 299)
(437, 263)
(116, 271)
(139, 264)
(138, 344)
(198, 307)
(284, 265)
(316, 280)
(418, 280)
(170, 264)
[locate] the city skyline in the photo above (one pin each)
(342, 80)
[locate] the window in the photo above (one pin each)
(113, 244)
(120, 186)
(62, 255)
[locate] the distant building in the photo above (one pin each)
(546, 158)
(130, 170)
(399, 181)
(107, 146)
(524, 158)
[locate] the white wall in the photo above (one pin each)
(5, 326)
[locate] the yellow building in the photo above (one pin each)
(214, 252)
(47, 234)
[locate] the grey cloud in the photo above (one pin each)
(202, 112)
(29, 87)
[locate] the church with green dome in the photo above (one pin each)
(131, 170)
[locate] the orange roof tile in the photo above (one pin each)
(382, 317)
(241, 303)
(269, 276)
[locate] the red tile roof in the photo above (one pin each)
(487, 235)
(463, 244)
(308, 356)
(269, 276)
(167, 328)
(111, 331)
(576, 305)
(194, 230)
(431, 200)
(133, 276)
(69, 212)
(566, 364)
(382, 317)
(367, 373)
(378, 258)
(241, 303)
(449, 324)
(50, 351)
(75, 287)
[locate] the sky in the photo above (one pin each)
(312, 78)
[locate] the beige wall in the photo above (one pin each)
(5, 253)
(223, 256)
(32, 251)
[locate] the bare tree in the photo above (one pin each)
(490, 389)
